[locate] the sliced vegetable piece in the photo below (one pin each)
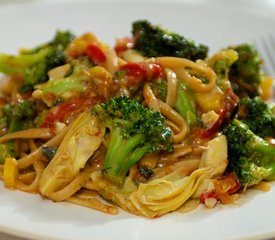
(10, 172)
(81, 141)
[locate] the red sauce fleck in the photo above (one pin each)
(63, 111)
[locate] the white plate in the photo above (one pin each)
(30, 216)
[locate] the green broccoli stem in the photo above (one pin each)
(3, 122)
(133, 158)
(268, 159)
(4, 153)
(15, 125)
(114, 144)
(265, 148)
(125, 149)
(185, 107)
(61, 86)
(119, 159)
(10, 64)
(270, 167)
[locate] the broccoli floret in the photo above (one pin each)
(221, 62)
(250, 156)
(17, 64)
(161, 89)
(154, 41)
(134, 131)
(60, 41)
(19, 115)
(33, 65)
(72, 84)
(244, 74)
(37, 73)
(258, 115)
(55, 90)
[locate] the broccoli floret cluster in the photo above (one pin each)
(154, 41)
(19, 115)
(33, 64)
(16, 117)
(134, 131)
(250, 156)
(72, 84)
(244, 73)
(258, 116)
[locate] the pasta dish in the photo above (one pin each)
(152, 125)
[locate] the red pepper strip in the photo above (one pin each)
(226, 187)
(123, 44)
(95, 54)
(138, 72)
(62, 112)
(231, 180)
(208, 194)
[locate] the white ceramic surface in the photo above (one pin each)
(216, 25)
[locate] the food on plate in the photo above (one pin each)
(151, 125)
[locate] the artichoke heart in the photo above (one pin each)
(166, 194)
(82, 140)
(215, 155)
